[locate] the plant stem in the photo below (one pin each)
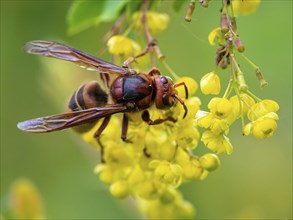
(174, 75)
(253, 96)
(258, 73)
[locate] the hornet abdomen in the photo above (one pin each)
(89, 95)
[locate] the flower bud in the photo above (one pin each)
(150, 189)
(119, 189)
(136, 176)
(190, 83)
(224, 23)
(210, 84)
(210, 162)
(25, 200)
(244, 7)
(156, 22)
(239, 45)
(122, 46)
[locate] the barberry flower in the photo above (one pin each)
(167, 172)
(156, 22)
(119, 45)
(216, 34)
(169, 206)
(219, 118)
(210, 162)
(119, 189)
(245, 7)
(243, 101)
(218, 143)
(220, 107)
(210, 84)
(192, 169)
(262, 108)
(263, 127)
(25, 201)
(190, 83)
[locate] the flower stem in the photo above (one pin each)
(239, 74)
(240, 108)
(253, 96)
(257, 71)
(174, 75)
(127, 31)
(228, 89)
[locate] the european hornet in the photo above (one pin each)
(121, 90)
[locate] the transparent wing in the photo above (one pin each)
(64, 52)
(69, 119)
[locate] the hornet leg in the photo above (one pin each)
(124, 128)
(146, 117)
(102, 127)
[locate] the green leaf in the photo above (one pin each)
(177, 5)
(133, 6)
(154, 4)
(83, 14)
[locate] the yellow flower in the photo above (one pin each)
(119, 189)
(137, 176)
(217, 143)
(119, 45)
(264, 127)
(105, 172)
(117, 156)
(210, 121)
(191, 167)
(25, 200)
(244, 7)
(174, 208)
(216, 34)
(220, 117)
(156, 22)
(150, 189)
(210, 84)
(220, 107)
(190, 83)
(193, 104)
(245, 101)
(167, 172)
(262, 108)
(209, 162)
(188, 137)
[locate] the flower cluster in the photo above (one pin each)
(225, 110)
(156, 159)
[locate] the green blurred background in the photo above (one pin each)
(254, 182)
